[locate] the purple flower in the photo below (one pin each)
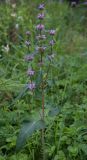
(40, 16)
(40, 27)
(29, 57)
(31, 86)
(28, 33)
(52, 32)
(52, 42)
(41, 6)
(30, 72)
(27, 43)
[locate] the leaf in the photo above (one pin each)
(2, 122)
(53, 112)
(83, 147)
(73, 150)
(21, 94)
(56, 157)
(27, 130)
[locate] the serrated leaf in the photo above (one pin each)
(27, 130)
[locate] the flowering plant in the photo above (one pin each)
(38, 78)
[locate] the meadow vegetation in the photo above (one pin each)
(66, 86)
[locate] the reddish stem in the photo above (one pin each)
(43, 104)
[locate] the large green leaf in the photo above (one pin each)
(27, 130)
